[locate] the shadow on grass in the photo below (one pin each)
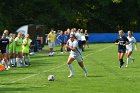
(95, 76)
(3, 90)
(17, 87)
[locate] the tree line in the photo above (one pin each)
(97, 16)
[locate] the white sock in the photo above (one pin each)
(13, 61)
(28, 58)
(9, 62)
(128, 60)
(85, 70)
(18, 61)
(23, 62)
(71, 70)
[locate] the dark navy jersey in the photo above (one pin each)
(121, 41)
(3, 43)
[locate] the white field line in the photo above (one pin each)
(56, 67)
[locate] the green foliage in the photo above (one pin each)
(94, 15)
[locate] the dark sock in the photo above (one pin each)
(121, 62)
(61, 49)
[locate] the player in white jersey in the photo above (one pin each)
(78, 37)
(130, 47)
(75, 53)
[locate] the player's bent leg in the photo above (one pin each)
(70, 60)
(81, 64)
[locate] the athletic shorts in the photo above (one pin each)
(129, 49)
(86, 38)
(77, 57)
(80, 44)
(83, 42)
(3, 51)
(51, 45)
(121, 50)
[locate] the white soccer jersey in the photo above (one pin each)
(75, 54)
(131, 44)
(78, 36)
(74, 44)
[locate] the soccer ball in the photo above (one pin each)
(1, 67)
(51, 78)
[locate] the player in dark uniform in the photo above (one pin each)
(86, 36)
(122, 41)
(3, 44)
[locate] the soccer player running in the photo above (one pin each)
(4, 42)
(19, 55)
(130, 47)
(61, 38)
(25, 48)
(121, 41)
(75, 53)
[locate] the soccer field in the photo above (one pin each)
(102, 64)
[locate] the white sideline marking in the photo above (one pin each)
(99, 50)
(56, 67)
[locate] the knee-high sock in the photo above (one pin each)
(23, 62)
(28, 58)
(71, 70)
(128, 60)
(13, 61)
(61, 50)
(121, 61)
(18, 61)
(85, 70)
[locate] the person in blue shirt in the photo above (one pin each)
(121, 41)
(61, 39)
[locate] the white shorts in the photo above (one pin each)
(129, 49)
(77, 57)
(51, 45)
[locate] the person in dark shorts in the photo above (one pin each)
(4, 42)
(121, 41)
(86, 36)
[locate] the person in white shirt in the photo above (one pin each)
(75, 53)
(83, 40)
(78, 37)
(130, 47)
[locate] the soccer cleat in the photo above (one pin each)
(7, 69)
(61, 52)
(50, 54)
(71, 75)
(86, 74)
(121, 65)
(13, 65)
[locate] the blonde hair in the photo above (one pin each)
(130, 32)
(121, 31)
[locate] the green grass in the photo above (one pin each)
(101, 61)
